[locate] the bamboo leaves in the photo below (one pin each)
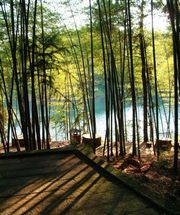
(20, 19)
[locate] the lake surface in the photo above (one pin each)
(57, 134)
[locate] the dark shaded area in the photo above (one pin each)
(64, 183)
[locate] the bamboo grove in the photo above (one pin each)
(21, 34)
(114, 45)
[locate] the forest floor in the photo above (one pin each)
(157, 175)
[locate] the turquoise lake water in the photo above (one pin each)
(101, 121)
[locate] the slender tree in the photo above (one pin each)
(173, 9)
(144, 71)
(133, 93)
(155, 80)
(93, 79)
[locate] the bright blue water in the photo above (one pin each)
(101, 121)
(57, 133)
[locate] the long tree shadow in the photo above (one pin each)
(30, 164)
(48, 185)
(56, 201)
(29, 182)
(37, 184)
(83, 193)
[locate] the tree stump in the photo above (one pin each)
(75, 136)
(19, 139)
(87, 139)
(164, 144)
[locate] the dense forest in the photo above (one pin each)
(57, 58)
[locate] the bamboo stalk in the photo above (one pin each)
(155, 80)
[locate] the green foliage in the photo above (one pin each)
(63, 57)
